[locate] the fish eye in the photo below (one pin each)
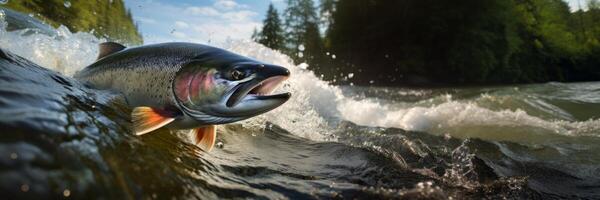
(237, 75)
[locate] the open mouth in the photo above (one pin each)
(265, 87)
(258, 90)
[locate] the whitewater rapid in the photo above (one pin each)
(316, 107)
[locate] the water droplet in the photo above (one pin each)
(67, 4)
(333, 56)
(350, 75)
(447, 136)
(371, 81)
(67, 193)
(14, 156)
(3, 1)
(300, 54)
(24, 187)
(301, 47)
(303, 65)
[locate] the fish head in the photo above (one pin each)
(217, 93)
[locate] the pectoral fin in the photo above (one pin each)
(147, 119)
(205, 136)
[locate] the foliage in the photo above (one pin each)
(427, 42)
(463, 42)
(106, 18)
(303, 39)
(271, 34)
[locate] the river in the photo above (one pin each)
(64, 139)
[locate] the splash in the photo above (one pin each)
(62, 51)
(316, 106)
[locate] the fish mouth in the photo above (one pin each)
(260, 90)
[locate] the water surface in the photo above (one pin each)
(62, 138)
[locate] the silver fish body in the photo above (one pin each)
(196, 84)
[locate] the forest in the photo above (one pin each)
(437, 42)
(104, 18)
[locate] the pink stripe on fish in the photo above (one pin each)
(182, 85)
(195, 85)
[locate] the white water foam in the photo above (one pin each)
(65, 52)
(315, 103)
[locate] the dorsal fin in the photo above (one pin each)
(108, 48)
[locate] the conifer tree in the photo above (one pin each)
(272, 32)
(303, 39)
(327, 8)
(255, 35)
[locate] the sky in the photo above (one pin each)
(205, 21)
(200, 21)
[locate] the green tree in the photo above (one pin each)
(271, 34)
(303, 39)
(327, 8)
(255, 35)
(107, 18)
(463, 41)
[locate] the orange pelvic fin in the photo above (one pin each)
(147, 119)
(205, 136)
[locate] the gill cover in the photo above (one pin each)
(196, 87)
(228, 89)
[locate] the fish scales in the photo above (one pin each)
(185, 85)
(144, 76)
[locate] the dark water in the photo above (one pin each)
(63, 139)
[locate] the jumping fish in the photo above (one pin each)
(186, 86)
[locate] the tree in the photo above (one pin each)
(303, 39)
(271, 34)
(108, 18)
(255, 35)
(327, 8)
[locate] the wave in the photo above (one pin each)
(316, 107)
